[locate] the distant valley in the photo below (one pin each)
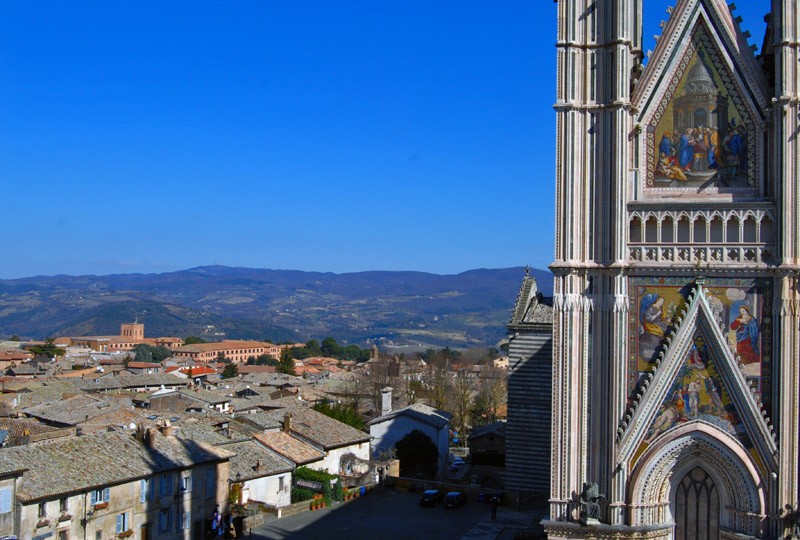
(404, 309)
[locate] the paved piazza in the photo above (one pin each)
(390, 515)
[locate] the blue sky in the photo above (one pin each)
(330, 136)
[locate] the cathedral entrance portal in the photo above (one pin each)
(696, 507)
(700, 479)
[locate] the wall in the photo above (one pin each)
(127, 498)
(389, 432)
(331, 462)
(7, 520)
(266, 490)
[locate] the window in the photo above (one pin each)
(186, 483)
(164, 518)
(145, 489)
(62, 504)
(98, 535)
(100, 496)
(165, 485)
(63, 535)
(42, 510)
(5, 500)
(123, 522)
(280, 483)
(211, 483)
(184, 521)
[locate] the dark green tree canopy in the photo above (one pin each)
(343, 413)
(230, 371)
(286, 365)
(418, 455)
(48, 349)
(262, 360)
(149, 353)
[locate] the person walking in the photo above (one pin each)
(494, 507)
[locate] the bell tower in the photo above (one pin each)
(676, 310)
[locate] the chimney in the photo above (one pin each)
(386, 400)
(148, 437)
(259, 466)
(287, 422)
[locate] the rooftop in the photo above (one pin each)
(75, 464)
(289, 447)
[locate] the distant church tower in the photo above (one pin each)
(676, 308)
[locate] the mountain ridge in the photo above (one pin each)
(394, 307)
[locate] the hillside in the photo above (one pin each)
(404, 308)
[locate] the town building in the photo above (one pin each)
(387, 429)
(676, 300)
(530, 352)
(112, 485)
(233, 350)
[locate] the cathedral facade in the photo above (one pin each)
(676, 309)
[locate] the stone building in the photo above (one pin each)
(530, 364)
(676, 298)
(112, 485)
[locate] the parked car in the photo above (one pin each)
(457, 466)
(455, 499)
(431, 497)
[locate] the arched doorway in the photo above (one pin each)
(700, 479)
(696, 507)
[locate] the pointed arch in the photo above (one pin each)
(654, 480)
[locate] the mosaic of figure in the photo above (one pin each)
(737, 307)
(700, 137)
(746, 328)
(653, 325)
(698, 394)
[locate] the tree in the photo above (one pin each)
(149, 353)
(491, 395)
(14, 337)
(286, 364)
(262, 360)
(418, 455)
(343, 413)
(48, 349)
(462, 398)
(222, 359)
(230, 371)
(439, 389)
(191, 340)
(330, 347)
(312, 345)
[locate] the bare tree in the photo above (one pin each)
(462, 399)
(439, 389)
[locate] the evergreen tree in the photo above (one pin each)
(230, 371)
(286, 365)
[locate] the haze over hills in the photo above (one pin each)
(216, 302)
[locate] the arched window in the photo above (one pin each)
(697, 507)
(733, 230)
(667, 230)
(635, 232)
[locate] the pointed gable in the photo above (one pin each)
(701, 105)
(696, 378)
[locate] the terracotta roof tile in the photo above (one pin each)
(289, 447)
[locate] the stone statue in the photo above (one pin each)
(590, 499)
(792, 517)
